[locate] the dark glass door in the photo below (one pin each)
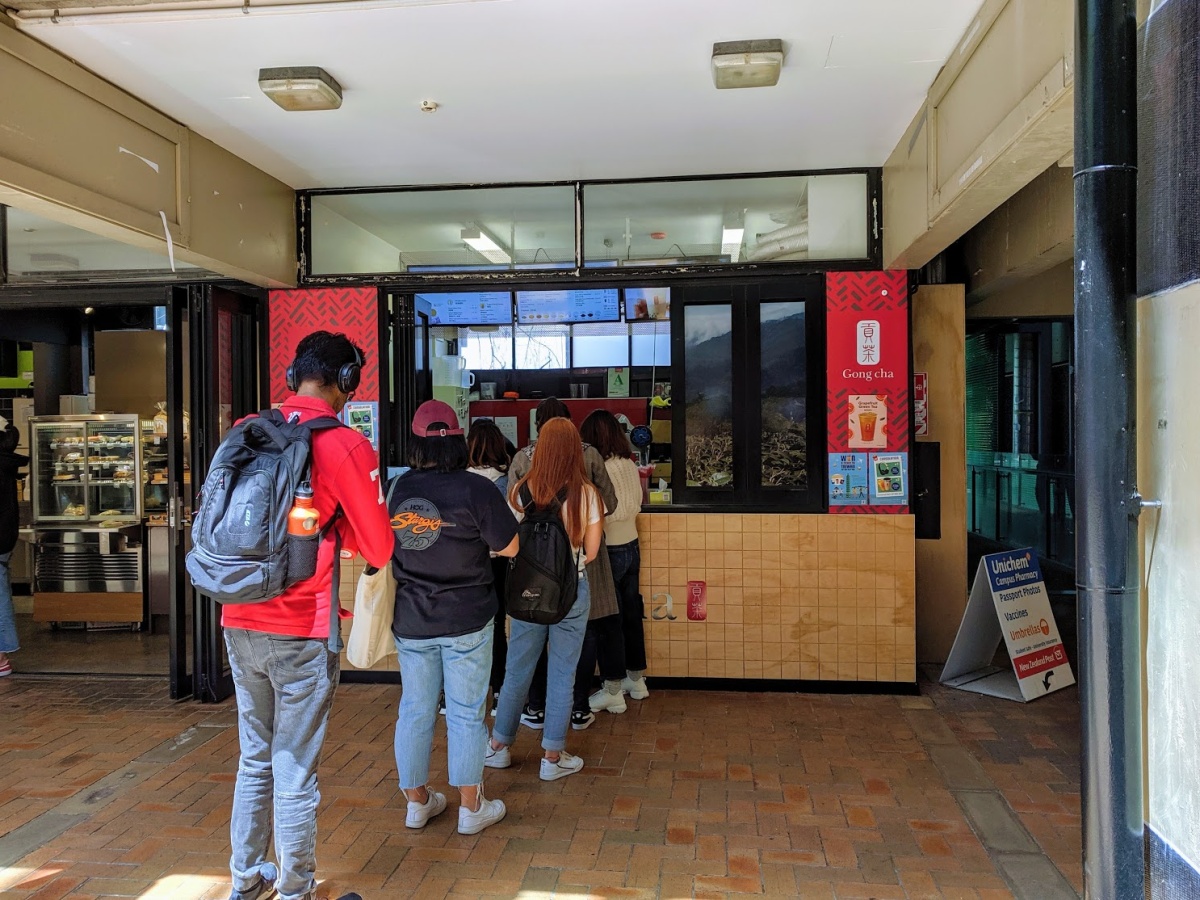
(179, 502)
(229, 381)
(412, 376)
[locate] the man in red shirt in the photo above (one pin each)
(284, 652)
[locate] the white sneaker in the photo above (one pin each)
(496, 759)
(565, 765)
(489, 813)
(602, 699)
(420, 813)
(636, 689)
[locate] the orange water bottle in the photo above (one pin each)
(303, 531)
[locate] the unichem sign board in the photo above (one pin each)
(1008, 602)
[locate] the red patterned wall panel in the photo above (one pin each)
(352, 311)
(868, 372)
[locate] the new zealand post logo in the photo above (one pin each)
(417, 524)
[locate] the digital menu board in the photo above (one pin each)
(554, 307)
(469, 308)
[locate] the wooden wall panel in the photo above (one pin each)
(939, 350)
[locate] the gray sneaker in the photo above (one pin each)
(263, 888)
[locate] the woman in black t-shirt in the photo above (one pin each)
(446, 521)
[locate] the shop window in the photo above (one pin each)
(488, 348)
(783, 395)
(542, 347)
(650, 343)
(601, 345)
(708, 402)
(444, 230)
(727, 221)
(748, 390)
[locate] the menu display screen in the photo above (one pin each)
(555, 307)
(469, 308)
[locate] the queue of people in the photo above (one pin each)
(447, 527)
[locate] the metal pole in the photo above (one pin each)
(1107, 570)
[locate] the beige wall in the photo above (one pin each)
(1051, 293)
(131, 371)
(939, 350)
(1168, 329)
(109, 164)
(827, 597)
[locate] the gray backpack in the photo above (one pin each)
(241, 552)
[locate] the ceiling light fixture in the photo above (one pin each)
(475, 238)
(745, 64)
(301, 88)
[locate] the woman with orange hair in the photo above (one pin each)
(556, 478)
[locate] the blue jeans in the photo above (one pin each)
(8, 624)
(525, 643)
(284, 690)
(626, 560)
(461, 666)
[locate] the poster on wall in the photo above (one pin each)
(921, 404)
(888, 478)
(363, 417)
(868, 421)
(1008, 602)
(868, 384)
(848, 479)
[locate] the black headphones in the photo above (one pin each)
(348, 376)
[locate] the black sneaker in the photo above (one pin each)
(533, 718)
(581, 719)
(265, 886)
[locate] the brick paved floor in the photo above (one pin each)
(688, 794)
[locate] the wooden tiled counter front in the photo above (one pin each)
(816, 597)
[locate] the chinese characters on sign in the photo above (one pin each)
(921, 403)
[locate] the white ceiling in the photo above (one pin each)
(535, 90)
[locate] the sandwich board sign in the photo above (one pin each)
(1008, 602)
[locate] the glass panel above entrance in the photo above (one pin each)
(727, 221)
(42, 251)
(443, 231)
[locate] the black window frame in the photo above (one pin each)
(748, 493)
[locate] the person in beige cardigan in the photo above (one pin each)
(599, 571)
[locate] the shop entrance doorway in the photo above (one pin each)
(174, 366)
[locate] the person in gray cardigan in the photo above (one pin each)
(599, 571)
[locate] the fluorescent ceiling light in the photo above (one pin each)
(731, 242)
(485, 246)
(301, 88)
(744, 64)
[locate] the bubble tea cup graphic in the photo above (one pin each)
(866, 426)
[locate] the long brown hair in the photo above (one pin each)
(485, 446)
(602, 430)
(557, 467)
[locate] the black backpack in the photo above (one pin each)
(241, 552)
(543, 578)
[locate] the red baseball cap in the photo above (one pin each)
(432, 411)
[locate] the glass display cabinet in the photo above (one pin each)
(88, 500)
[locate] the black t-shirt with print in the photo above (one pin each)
(444, 524)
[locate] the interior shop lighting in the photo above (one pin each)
(485, 246)
(746, 64)
(731, 243)
(301, 88)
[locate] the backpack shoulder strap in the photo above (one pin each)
(320, 423)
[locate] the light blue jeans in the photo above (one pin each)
(284, 690)
(8, 624)
(525, 643)
(462, 667)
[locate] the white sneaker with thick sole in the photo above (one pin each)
(489, 813)
(602, 699)
(565, 765)
(636, 689)
(496, 759)
(420, 813)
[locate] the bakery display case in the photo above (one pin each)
(89, 487)
(86, 469)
